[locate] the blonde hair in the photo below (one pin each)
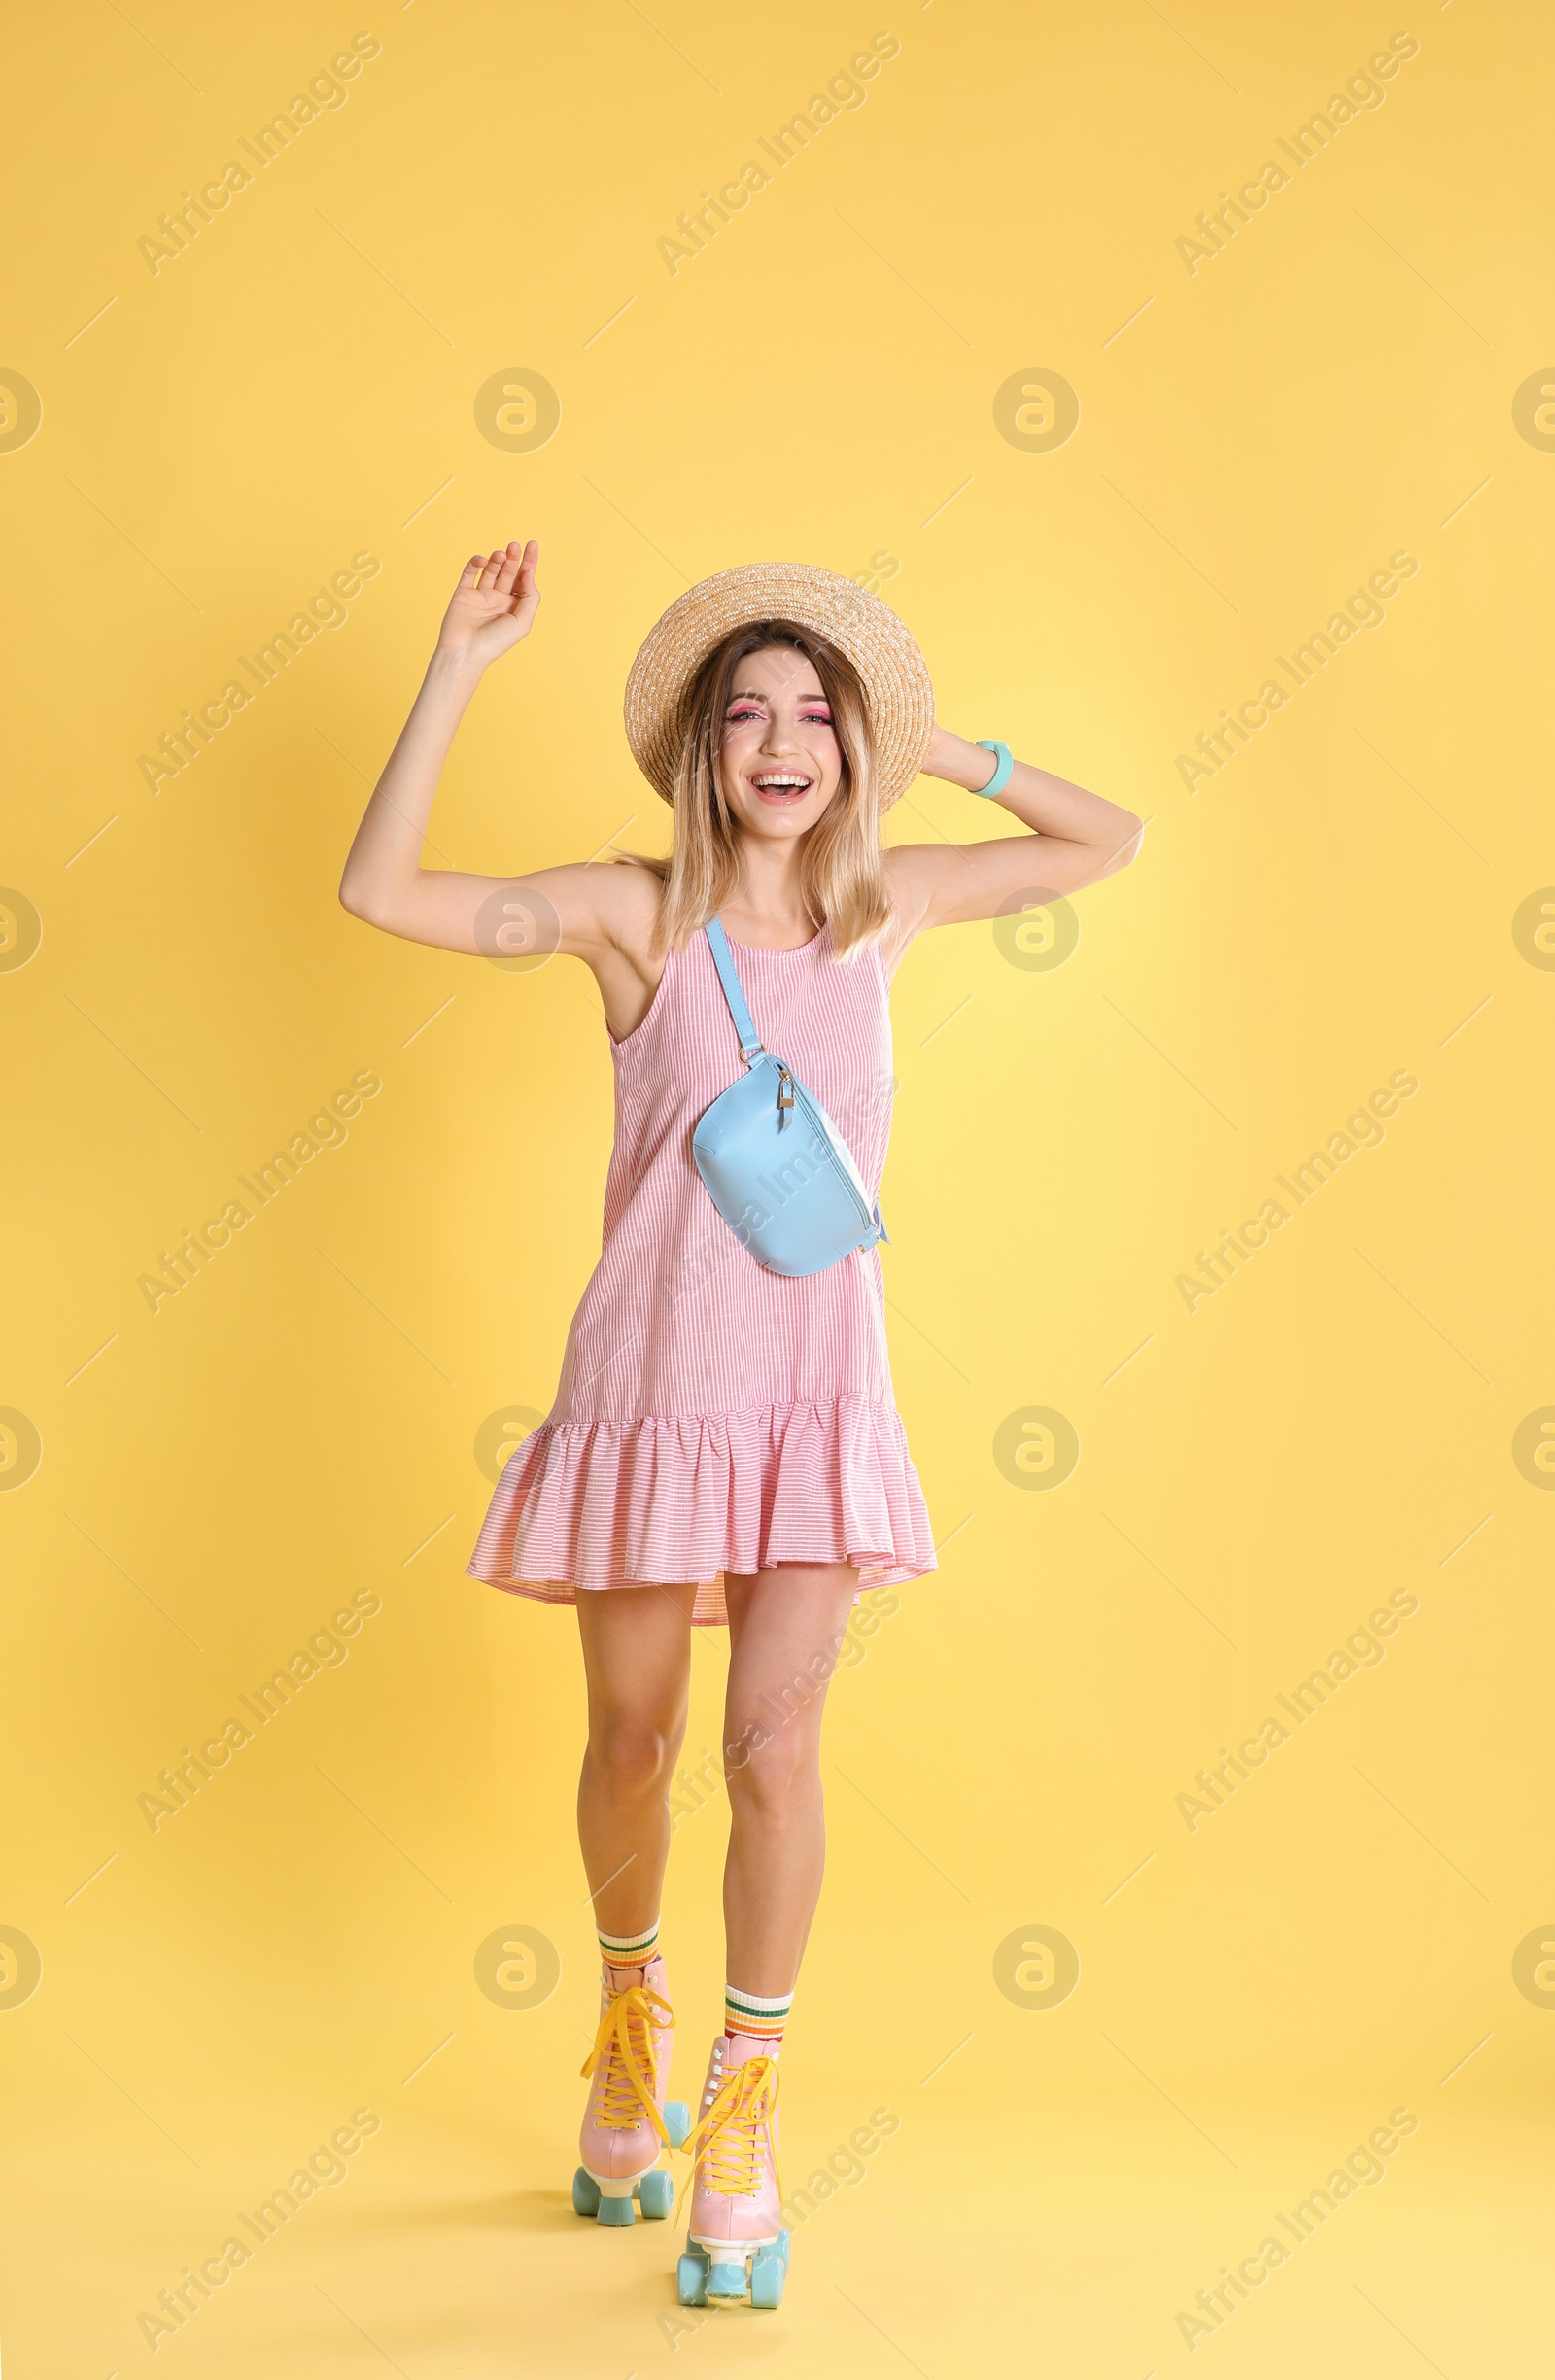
(841, 877)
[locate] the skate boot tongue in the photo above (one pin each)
(633, 1975)
(623, 2047)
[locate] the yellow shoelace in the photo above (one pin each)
(624, 2044)
(730, 2132)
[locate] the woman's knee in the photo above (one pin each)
(771, 1771)
(633, 1752)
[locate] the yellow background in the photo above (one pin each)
(297, 1426)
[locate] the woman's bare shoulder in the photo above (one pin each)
(627, 895)
(907, 870)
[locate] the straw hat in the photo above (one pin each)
(892, 670)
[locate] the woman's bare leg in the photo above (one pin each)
(784, 1628)
(637, 1655)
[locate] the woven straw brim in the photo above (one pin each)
(892, 670)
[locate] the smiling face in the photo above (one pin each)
(779, 762)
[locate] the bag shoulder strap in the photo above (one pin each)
(723, 958)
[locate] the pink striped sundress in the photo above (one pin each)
(712, 1416)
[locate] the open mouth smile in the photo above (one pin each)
(782, 785)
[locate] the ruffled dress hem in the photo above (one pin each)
(682, 1499)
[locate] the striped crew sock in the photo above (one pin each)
(619, 1950)
(759, 2020)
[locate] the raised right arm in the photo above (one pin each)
(600, 913)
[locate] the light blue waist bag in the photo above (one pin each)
(776, 1166)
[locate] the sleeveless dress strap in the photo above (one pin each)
(723, 958)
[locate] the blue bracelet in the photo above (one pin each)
(1001, 775)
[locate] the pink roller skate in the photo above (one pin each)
(737, 2246)
(627, 2118)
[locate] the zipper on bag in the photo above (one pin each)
(814, 1121)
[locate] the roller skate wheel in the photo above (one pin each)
(656, 2193)
(585, 2193)
(677, 2122)
(781, 2248)
(769, 2270)
(691, 2279)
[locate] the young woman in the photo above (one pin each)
(724, 1448)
